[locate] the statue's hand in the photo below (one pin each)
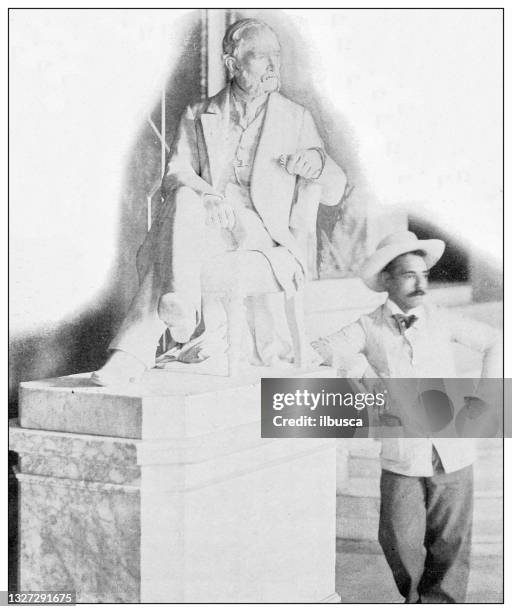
(218, 211)
(306, 163)
(323, 348)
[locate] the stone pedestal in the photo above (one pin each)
(165, 492)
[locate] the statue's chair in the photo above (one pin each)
(250, 275)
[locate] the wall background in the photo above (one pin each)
(82, 160)
(408, 101)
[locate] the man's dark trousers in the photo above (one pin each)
(425, 533)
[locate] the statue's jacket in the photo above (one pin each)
(286, 203)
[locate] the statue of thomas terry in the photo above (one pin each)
(237, 163)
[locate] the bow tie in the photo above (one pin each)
(404, 321)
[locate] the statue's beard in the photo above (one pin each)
(258, 86)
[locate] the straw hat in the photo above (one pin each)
(394, 245)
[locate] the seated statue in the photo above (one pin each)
(236, 163)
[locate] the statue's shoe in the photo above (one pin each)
(178, 315)
(121, 369)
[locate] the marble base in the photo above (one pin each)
(166, 492)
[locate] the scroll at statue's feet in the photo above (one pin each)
(121, 369)
(178, 315)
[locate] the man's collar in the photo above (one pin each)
(393, 308)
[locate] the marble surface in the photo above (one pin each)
(252, 526)
(79, 457)
(80, 538)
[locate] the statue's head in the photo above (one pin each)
(251, 53)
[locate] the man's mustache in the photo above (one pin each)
(416, 293)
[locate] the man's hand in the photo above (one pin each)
(218, 211)
(306, 163)
(375, 384)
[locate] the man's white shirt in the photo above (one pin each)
(374, 346)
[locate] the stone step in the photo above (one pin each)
(489, 463)
(360, 448)
(371, 448)
(485, 540)
(369, 487)
(364, 467)
(364, 475)
(358, 519)
(485, 508)
(364, 460)
(366, 578)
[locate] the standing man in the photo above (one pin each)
(426, 483)
(242, 172)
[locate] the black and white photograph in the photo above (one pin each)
(218, 218)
